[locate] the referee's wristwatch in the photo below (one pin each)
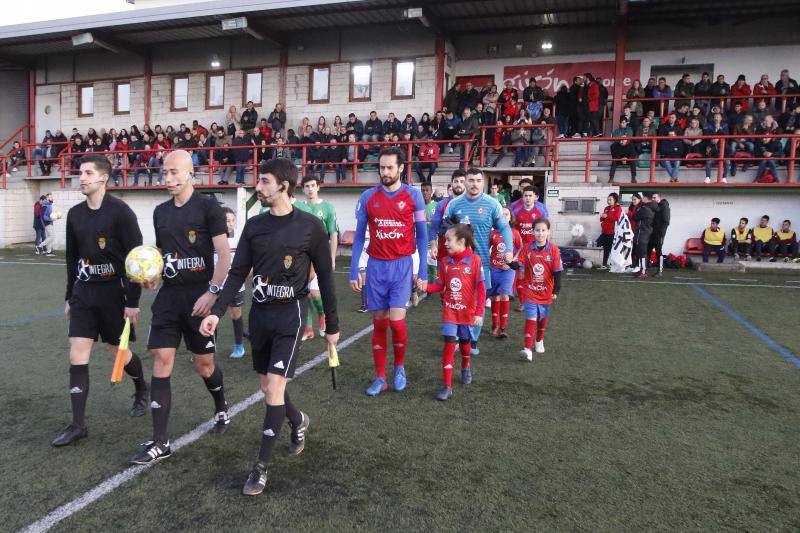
(214, 289)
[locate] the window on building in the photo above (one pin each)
(403, 79)
(86, 100)
(215, 91)
(319, 84)
(360, 82)
(584, 206)
(252, 87)
(180, 94)
(122, 97)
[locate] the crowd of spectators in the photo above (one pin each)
(693, 116)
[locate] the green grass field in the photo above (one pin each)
(651, 410)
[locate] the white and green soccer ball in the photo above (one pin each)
(144, 264)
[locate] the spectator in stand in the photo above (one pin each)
(373, 128)
(591, 93)
(451, 126)
(702, 89)
(608, 220)
(277, 119)
(768, 148)
(410, 124)
(490, 100)
(720, 88)
(355, 126)
(520, 139)
(233, 121)
(741, 88)
(645, 129)
(292, 138)
(242, 153)
(697, 112)
(533, 99)
(16, 157)
(711, 149)
(334, 156)
(425, 124)
(736, 115)
(539, 136)
(785, 242)
(630, 117)
(562, 111)
(76, 151)
(437, 125)
(741, 240)
(622, 150)
(671, 149)
(684, 90)
(226, 163)
(682, 113)
(763, 238)
(502, 139)
(603, 101)
(471, 97)
(467, 130)
(305, 123)
(793, 120)
(576, 113)
(321, 125)
(786, 86)
(428, 159)
(75, 135)
(692, 141)
(743, 142)
(764, 88)
(664, 92)
(636, 91)
(714, 241)
(650, 105)
(391, 125)
(451, 100)
(281, 151)
(263, 153)
(508, 101)
(264, 131)
(249, 118)
(42, 151)
(760, 112)
(197, 129)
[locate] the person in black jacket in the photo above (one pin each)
(671, 150)
(241, 150)
(452, 98)
(373, 128)
(277, 119)
(575, 117)
(249, 118)
(562, 111)
(661, 220)
(643, 219)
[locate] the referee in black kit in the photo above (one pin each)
(100, 233)
(190, 227)
(280, 246)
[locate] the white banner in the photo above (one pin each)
(622, 248)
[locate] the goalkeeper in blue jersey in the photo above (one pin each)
(483, 213)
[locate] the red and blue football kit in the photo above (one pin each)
(463, 287)
(525, 219)
(540, 280)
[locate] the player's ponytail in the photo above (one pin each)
(464, 231)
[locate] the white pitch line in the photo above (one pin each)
(793, 281)
(740, 279)
(92, 495)
(26, 262)
(685, 277)
(687, 283)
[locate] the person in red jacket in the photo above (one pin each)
(764, 88)
(461, 282)
(740, 88)
(592, 90)
(428, 159)
(608, 220)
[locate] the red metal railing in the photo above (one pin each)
(721, 159)
(489, 133)
(23, 134)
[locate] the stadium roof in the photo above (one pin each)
(277, 19)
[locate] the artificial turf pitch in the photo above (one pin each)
(651, 410)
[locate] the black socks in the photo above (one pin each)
(160, 403)
(78, 392)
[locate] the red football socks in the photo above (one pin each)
(399, 340)
(540, 332)
(448, 360)
(505, 305)
(465, 348)
(379, 335)
(530, 333)
(495, 313)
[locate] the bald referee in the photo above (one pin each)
(190, 228)
(100, 233)
(280, 246)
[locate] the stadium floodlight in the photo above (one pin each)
(547, 45)
(215, 63)
(82, 38)
(240, 24)
(413, 13)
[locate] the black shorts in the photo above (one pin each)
(238, 300)
(276, 331)
(97, 310)
(172, 319)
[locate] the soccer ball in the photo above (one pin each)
(587, 264)
(56, 215)
(144, 264)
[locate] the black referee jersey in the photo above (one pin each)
(184, 234)
(98, 240)
(280, 250)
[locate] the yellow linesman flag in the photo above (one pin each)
(333, 362)
(122, 351)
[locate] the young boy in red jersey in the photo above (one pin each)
(541, 270)
(502, 276)
(461, 282)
